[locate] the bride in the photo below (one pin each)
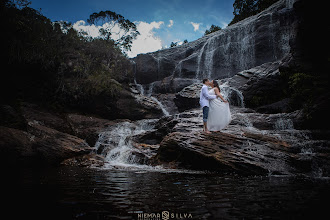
(219, 113)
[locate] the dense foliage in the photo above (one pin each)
(110, 20)
(48, 62)
(247, 8)
(212, 29)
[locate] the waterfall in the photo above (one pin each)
(284, 124)
(140, 88)
(205, 59)
(116, 145)
(178, 69)
(162, 107)
(259, 39)
(233, 95)
(199, 60)
(149, 94)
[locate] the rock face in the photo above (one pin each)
(260, 87)
(51, 138)
(252, 144)
(188, 97)
(39, 145)
(225, 152)
(265, 37)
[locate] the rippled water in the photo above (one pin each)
(81, 193)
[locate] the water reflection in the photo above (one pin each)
(76, 193)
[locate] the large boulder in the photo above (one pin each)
(39, 145)
(253, 143)
(261, 87)
(225, 152)
(87, 127)
(170, 85)
(150, 69)
(83, 126)
(110, 100)
(188, 97)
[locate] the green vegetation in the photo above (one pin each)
(50, 62)
(111, 19)
(212, 29)
(174, 44)
(309, 90)
(247, 8)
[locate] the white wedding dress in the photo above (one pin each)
(219, 114)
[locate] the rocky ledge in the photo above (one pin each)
(253, 144)
(41, 136)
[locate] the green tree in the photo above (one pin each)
(50, 62)
(212, 29)
(110, 20)
(174, 44)
(247, 8)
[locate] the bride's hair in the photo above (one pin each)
(215, 83)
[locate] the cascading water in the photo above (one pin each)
(140, 88)
(149, 94)
(232, 94)
(116, 145)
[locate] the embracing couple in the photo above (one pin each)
(216, 112)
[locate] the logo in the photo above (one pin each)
(165, 215)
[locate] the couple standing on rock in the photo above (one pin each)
(216, 112)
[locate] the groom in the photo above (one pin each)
(204, 101)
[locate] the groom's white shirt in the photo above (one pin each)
(205, 97)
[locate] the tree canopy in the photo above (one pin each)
(109, 20)
(247, 8)
(51, 62)
(212, 29)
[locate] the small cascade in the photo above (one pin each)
(116, 145)
(162, 107)
(284, 124)
(140, 88)
(149, 94)
(208, 63)
(205, 59)
(199, 73)
(232, 94)
(178, 70)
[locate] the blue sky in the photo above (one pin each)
(159, 21)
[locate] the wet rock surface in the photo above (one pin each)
(39, 145)
(253, 143)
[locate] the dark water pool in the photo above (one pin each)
(80, 193)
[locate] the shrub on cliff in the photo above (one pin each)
(247, 8)
(212, 29)
(310, 91)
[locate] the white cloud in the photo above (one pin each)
(146, 42)
(94, 31)
(91, 30)
(195, 25)
(170, 24)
